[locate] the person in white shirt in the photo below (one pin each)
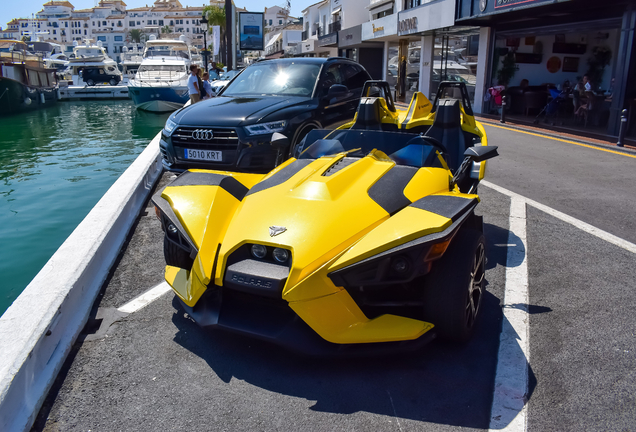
(207, 86)
(193, 85)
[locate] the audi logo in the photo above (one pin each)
(202, 134)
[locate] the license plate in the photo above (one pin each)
(206, 155)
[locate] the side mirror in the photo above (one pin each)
(279, 141)
(337, 91)
(481, 153)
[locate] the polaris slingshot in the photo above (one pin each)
(365, 240)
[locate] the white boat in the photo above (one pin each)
(92, 57)
(131, 58)
(196, 57)
(161, 82)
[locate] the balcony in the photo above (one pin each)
(335, 26)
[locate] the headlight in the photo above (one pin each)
(266, 128)
(259, 251)
(170, 127)
(280, 255)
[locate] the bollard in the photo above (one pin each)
(623, 129)
(504, 100)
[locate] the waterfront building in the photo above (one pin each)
(281, 40)
(548, 44)
(276, 17)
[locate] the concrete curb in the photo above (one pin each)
(40, 327)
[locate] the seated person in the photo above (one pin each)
(583, 88)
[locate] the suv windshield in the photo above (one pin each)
(275, 79)
(402, 148)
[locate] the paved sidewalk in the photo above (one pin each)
(543, 131)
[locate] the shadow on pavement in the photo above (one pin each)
(441, 384)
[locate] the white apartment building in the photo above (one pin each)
(276, 16)
(110, 22)
(278, 41)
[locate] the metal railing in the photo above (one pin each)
(335, 26)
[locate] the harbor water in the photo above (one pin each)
(55, 164)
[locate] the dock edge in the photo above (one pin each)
(40, 327)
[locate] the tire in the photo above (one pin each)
(299, 138)
(175, 256)
(454, 288)
(112, 82)
(90, 83)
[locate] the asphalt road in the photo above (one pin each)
(156, 370)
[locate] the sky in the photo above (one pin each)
(10, 9)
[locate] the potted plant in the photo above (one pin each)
(601, 56)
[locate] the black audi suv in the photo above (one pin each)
(291, 96)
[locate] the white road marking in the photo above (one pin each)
(146, 298)
(511, 380)
(590, 229)
(397, 419)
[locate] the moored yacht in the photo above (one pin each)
(25, 83)
(131, 58)
(161, 82)
(89, 59)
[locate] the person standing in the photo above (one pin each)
(214, 71)
(193, 85)
(207, 86)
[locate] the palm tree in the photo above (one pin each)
(135, 35)
(216, 17)
(166, 29)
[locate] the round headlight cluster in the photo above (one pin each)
(280, 255)
(259, 251)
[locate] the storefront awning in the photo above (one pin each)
(336, 10)
(273, 40)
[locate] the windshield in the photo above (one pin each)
(166, 51)
(402, 148)
(275, 79)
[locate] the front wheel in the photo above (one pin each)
(113, 82)
(90, 83)
(454, 288)
(299, 138)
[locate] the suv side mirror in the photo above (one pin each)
(481, 153)
(337, 91)
(279, 141)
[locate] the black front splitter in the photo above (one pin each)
(273, 321)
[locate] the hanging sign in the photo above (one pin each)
(216, 39)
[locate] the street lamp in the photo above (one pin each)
(204, 27)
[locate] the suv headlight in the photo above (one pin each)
(169, 127)
(266, 128)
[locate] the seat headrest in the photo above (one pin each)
(448, 114)
(369, 114)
